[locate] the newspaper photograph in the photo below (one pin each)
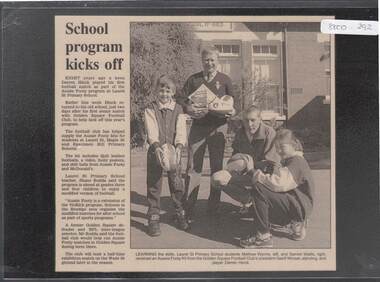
(194, 143)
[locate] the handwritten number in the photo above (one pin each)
(364, 26)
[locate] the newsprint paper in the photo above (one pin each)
(125, 128)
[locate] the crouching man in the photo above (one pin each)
(254, 141)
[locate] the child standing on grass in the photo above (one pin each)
(165, 124)
(284, 197)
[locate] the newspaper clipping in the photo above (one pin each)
(194, 144)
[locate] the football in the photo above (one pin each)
(168, 158)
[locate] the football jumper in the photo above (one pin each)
(220, 85)
(284, 196)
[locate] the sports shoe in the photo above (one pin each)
(258, 241)
(154, 225)
(181, 221)
(298, 230)
(295, 230)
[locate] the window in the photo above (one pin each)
(265, 50)
(228, 50)
(262, 71)
(225, 68)
(296, 91)
(273, 50)
(267, 76)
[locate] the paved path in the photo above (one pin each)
(207, 232)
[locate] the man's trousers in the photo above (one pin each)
(201, 137)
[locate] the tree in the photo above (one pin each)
(255, 89)
(157, 49)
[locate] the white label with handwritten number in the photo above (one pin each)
(350, 27)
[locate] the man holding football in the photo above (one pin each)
(208, 128)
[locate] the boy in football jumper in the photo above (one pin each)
(165, 123)
(285, 197)
(206, 129)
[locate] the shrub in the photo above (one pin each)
(156, 49)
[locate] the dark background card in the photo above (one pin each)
(27, 115)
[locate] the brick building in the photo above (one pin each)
(285, 66)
